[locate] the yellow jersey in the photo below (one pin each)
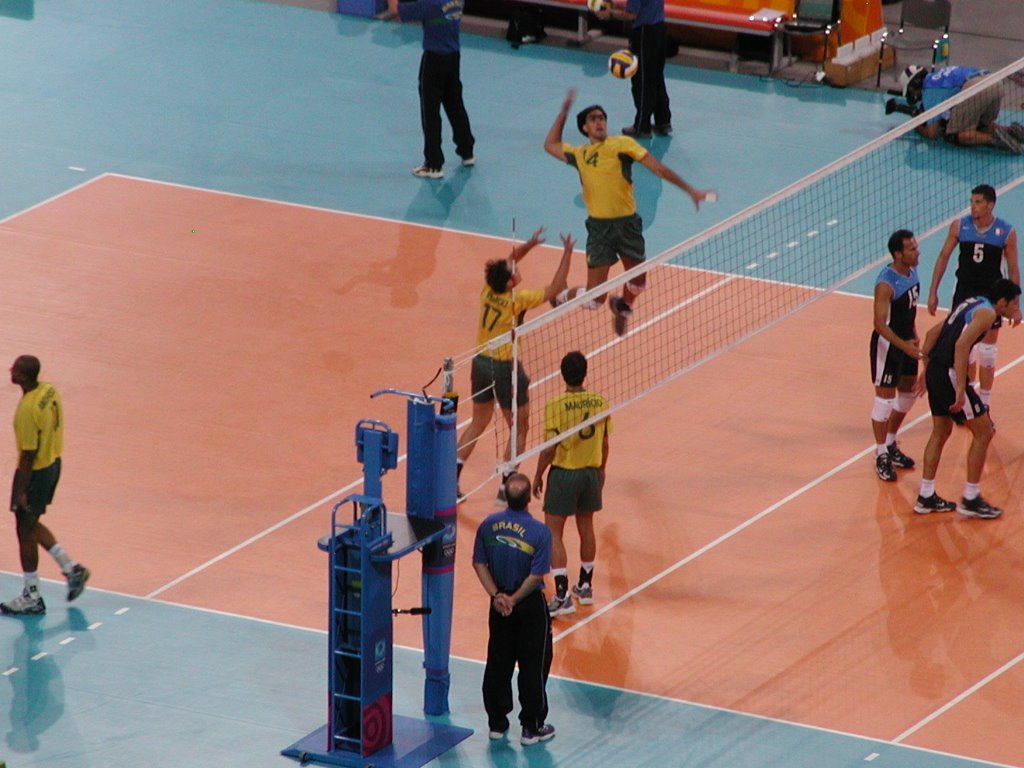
(500, 313)
(586, 447)
(39, 425)
(606, 173)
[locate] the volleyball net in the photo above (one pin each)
(762, 264)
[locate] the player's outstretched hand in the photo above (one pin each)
(568, 242)
(703, 196)
(537, 237)
(570, 97)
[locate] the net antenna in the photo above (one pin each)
(768, 261)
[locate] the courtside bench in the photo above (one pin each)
(733, 18)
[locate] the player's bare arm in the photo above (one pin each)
(519, 251)
(883, 295)
(941, 263)
(553, 142)
(978, 327)
(543, 462)
(662, 171)
(560, 281)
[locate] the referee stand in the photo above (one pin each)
(361, 728)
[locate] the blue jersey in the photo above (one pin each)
(903, 304)
(513, 545)
(953, 328)
(441, 19)
(944, 83)
(647, 11)
(981, 255)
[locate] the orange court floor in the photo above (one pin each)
(214, 353)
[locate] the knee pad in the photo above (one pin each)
(972, 358)
(882, 409)
(904, 401)
(637, 286)
(987, 355)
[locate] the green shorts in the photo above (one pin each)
(572, 490)
(492, 378)
(608, 239)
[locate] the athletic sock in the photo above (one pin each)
(890, 439)
(66, 563)
(985, 395)
(972, 491)
(880, 448)
(586, 573)
(32, 580)
(927, 488)
(561, 577)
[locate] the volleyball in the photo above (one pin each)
(622, 64)
(597, 6)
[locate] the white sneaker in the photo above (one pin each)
(561, 606)
(427, 173)
(28, 603)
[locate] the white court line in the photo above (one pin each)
(957, 699)
(748, 522)
(49, 200)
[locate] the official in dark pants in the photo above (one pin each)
(511, 555)
(648, 42)
(439, 81)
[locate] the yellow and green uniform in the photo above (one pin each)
(500, 313)
(574, 481)
(39, 425)
(584, 448)
(606, 173)
(491, 373)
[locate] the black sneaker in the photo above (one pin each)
(979, 508)
(1003, 139)
(934, 503)
(622, 312)
(898, 458)
(76, 581)
(534, 735)
(629, 130)
(883, 466)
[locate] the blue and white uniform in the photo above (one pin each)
(889, 363)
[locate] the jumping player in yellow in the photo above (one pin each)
(614, 229)
(39, 431)
(502, 306)
(575, 481)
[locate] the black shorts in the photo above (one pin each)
(490, 378)
(942, 394)
(888, 363)
(572, 490)
(41, 487)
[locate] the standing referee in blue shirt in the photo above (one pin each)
(511, 555)
(440, 84)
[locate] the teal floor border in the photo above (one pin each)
(114, 681)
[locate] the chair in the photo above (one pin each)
(927, 22)
(815, 17)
